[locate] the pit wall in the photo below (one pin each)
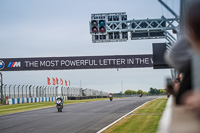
(32, 100)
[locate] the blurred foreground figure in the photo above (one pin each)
(180, 57)
(192, 99)
(173, 86)
(193, 25)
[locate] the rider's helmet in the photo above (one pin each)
(59, 97)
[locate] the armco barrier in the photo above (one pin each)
(32, 100)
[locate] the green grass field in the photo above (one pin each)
(143, 120)
(7, 109)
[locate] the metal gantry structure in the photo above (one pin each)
(114, 27)
(116, 30)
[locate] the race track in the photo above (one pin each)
(75, 118)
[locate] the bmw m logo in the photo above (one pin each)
(2, 64)
(14, 64)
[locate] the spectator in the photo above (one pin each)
(177, 83)
(193, 25)
(180, 57)
(174, 85)
(192, 99)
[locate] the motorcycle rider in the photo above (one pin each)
(60, 98)
(110, 96)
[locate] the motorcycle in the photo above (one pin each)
(59, 105)
(111, 98)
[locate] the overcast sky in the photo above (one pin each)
(60, 28)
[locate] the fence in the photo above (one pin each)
(28, 91)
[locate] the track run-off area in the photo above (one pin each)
(87, 117)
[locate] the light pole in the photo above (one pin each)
(22, 91)
(14, 91)
(18, 91)
(33, 90)
(26, 90)
(9, 91)
(30, 90)
(5, 90)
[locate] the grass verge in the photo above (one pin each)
(7, 109)
(143, 120)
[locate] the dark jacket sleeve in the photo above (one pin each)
(186, 84)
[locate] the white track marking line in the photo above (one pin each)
(120, 118)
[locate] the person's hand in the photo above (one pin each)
(176, 86)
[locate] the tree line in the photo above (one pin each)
(152, 91)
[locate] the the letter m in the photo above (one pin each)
(17, 64)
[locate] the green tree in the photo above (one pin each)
(134, 92)
(128, 92)
(157, 91)
(139, 92)
(162, 91)
(152, 91)
(145, 93)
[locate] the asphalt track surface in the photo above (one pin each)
(76, 118)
